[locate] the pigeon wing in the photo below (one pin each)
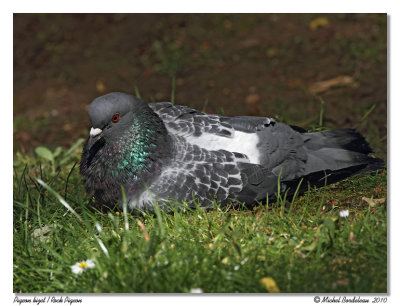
(187, 121)
(199, 174)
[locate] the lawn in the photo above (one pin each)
(301, 246)
(240, 64)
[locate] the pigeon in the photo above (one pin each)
(165, 154)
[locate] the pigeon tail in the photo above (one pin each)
(334, 155)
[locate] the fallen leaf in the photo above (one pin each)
(352, 238)
(294, 83)
(67, 127)
(143, 228)
(299, 245)
(228, 24)
(301, 254)
(372, 202)
(340, 261)
(318, 22)
(270, 284)
(100, 87)
(251, 42)
(312, 246)
(319, 87)
(252, 99)
(226, 91)
(258, 215)
(225, 260)
(205, 45)
(253, 103)
(341, 282)
(271, 52)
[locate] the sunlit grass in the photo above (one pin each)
(303, 247)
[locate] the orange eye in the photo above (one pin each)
(115, 118)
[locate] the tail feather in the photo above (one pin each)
(338, 149)
(333, 156)
(348, 139)
(327, 177)
(330, 156)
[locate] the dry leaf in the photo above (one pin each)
(252, 99)
(318, 22)
(143, 228)
(352, 237)
(301, 254)
(342, 282)
(225, 260)
(100, 87)
(372, 202)
(251, 42)
(299, 245)
(270, 284)
(340, 261)
(271, 52)
(259, 213)
(228, 24)
(253, 103)
(319, 87)
(226, 91)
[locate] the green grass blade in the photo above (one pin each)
(59, 198)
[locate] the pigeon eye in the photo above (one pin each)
(115, 118)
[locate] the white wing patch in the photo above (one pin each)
(241, 142)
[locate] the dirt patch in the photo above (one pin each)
(241, 64)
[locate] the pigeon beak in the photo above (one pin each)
(95, 132)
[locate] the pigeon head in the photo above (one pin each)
(127, 145)
(113, 110)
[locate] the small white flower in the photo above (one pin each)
(81, 266)
(344, 213)
(196, 290)
(244, 261)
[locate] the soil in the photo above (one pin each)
(239, 64)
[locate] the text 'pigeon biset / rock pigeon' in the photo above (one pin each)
(163, 154)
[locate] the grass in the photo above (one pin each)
(304, 248)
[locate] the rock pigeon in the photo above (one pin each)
(164, 154)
